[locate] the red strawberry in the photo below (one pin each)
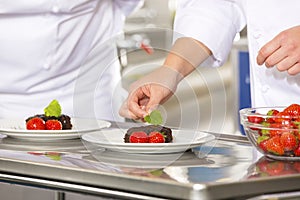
(261, 141)
(297, 151)
(255, 119)
(274, 146)
(289, 141)
(276, 129)
(282, 118)
(139, 137)
(35, 123)
(296, 124)
(293, 110)
(53, 124)
(271, 113)
(156, 137)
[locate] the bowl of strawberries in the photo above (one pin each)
(274, 131)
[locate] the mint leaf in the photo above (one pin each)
(53, 109)
(154, 118)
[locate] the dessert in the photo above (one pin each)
(148, 134)
(52, 119)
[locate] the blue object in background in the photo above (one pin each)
(244, 94)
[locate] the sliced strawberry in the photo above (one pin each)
(274, 146)
(156, 137)
(289, 141)
(53, 124)
(139, 137)
(35, 123)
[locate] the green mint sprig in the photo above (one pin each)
(154, 118)
(53, 109)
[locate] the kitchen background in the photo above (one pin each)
(208, 99)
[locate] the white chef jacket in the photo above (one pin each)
(216, 22)
(64, 50)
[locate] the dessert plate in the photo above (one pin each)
(16, 128)
(182, 140)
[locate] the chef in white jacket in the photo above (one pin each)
(60, 50)
(203, 33)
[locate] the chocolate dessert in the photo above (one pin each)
(167, 132)
(64, 119)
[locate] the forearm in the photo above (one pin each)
(185, 55)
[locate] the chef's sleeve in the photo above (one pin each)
(215, 23)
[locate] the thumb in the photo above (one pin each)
(153, 103)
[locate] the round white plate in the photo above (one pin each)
(182, 141)
(16, 128)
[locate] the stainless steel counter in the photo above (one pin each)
(228, 170)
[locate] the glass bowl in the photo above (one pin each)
(272, 131)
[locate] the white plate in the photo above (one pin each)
(16, 128)
(114, 140)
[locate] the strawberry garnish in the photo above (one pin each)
(53, 124)
(35, 123)
(139, 137)
(156, 137)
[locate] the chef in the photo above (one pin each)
(61, 50)
(204, 31)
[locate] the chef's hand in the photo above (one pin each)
(147, 93)
(157, 87)
(282, 51)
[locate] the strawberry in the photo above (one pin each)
(289, 141)
(282, 118)
(255, 119)
(293, 110)
(274, 146)
(271, 113)
(139, 137)
(261, 141)
(296, 123)
(35, 123)
(53, 124)
(156, 137)
(276, 129)
(297, 151)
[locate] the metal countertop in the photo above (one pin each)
(224, 168)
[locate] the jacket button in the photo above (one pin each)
(55, 9)
(46, 66)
